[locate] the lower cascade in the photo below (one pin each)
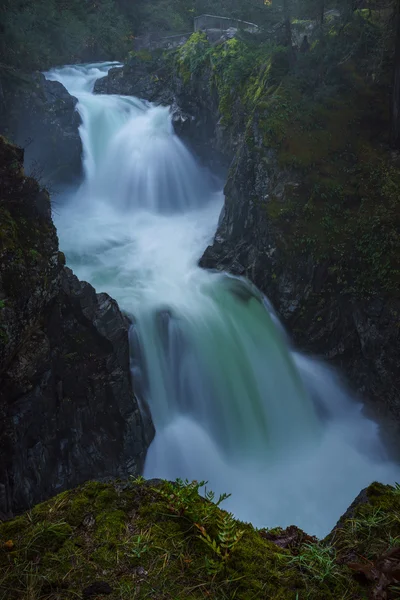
(232, 402)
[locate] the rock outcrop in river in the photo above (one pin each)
(68, 412)
(40, 116)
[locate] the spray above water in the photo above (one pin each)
(150, 168)
(231, 402)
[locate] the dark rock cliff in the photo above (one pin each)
(68, 412)
(40, 116)
(358, 335)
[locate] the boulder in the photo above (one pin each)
(41, 116)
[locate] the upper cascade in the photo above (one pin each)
(130, 148)
(150, 167)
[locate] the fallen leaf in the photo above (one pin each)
(9, 545)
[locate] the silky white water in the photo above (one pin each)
(232, 403)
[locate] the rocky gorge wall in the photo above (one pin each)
(68, 412)
(40, 116)
(360, 336)
(311, 209)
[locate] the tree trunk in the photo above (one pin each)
(288, 28)
(321, 12)
(395, 126)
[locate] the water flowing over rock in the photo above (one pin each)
(68, 411)
(231, 401)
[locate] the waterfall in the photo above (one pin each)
(232, 402)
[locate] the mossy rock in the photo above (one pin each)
(140, 539)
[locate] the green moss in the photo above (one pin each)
(11, 529)
(110, 524)
(46, 536)
(141, 55)
(372, 528)
(105, 498)
(192, 55)
(94, 488)
(236, 69)
(79, 507)
(145, 541)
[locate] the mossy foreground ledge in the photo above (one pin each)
(138, 539)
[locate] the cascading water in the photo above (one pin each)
(231, 402)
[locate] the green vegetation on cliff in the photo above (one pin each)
(325, 112)
(142, 539)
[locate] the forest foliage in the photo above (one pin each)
(37, 34)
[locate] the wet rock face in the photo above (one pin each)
(359, 336)
(30, 264)
(41, 116)
(68, 412)
(71, 412)
(136, 78)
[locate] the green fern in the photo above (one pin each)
(137, 479)
(222, 546)
(228, 533)
(184, 500)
